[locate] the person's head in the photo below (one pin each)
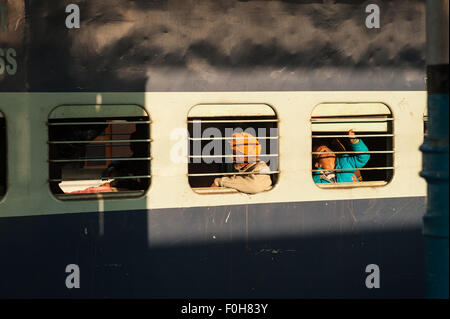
(246, 148)
(326, 160)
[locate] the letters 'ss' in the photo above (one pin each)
(8, 62)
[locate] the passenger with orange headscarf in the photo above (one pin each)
(246, 149)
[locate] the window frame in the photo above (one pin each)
(109, 114)
(212, 111)
(388, 134)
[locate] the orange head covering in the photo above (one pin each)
(245, 144)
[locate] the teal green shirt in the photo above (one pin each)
(347, 161)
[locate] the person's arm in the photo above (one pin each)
(316, 177)
(357, 160)
(104, 188)
(251, 184)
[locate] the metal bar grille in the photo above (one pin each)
(230, 156)
(100, 141)
(365, 123)
(233, 121)
(355, 169)
(350, 120)
(97, 178)
(255, 122)
(100, 159)
(97, 123)
(355, 152)
(228, 138)
(112, 140)
(356, 136)
(229, 174)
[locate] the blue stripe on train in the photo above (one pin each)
(282, 250)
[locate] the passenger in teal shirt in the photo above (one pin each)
(327, 162)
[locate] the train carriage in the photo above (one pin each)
(138, 88)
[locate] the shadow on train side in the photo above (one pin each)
(290, 250)
(135, 46)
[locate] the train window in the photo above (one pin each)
(2, 155)
(352, 144)
(99, 151)
(232, 148)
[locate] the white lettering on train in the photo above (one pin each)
(373, 279)
(73, 279)
(73, 19)
(8, 61)
(213, 152)
(373, 19)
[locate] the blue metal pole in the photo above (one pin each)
(435, 151)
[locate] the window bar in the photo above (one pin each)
(100, 159)
(354, 169)
(350, 120)
(117, 134)
(228, 138)
(232, 121)
(355, 152)
(100, 141)
(115, 146)
(237, 173)
(216, 156)
(97, 178)
(356, 136)
(96, 123)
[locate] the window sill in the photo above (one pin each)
(222, 190)
(214, 190)
(120, 194)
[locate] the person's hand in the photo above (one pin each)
(351, 136)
